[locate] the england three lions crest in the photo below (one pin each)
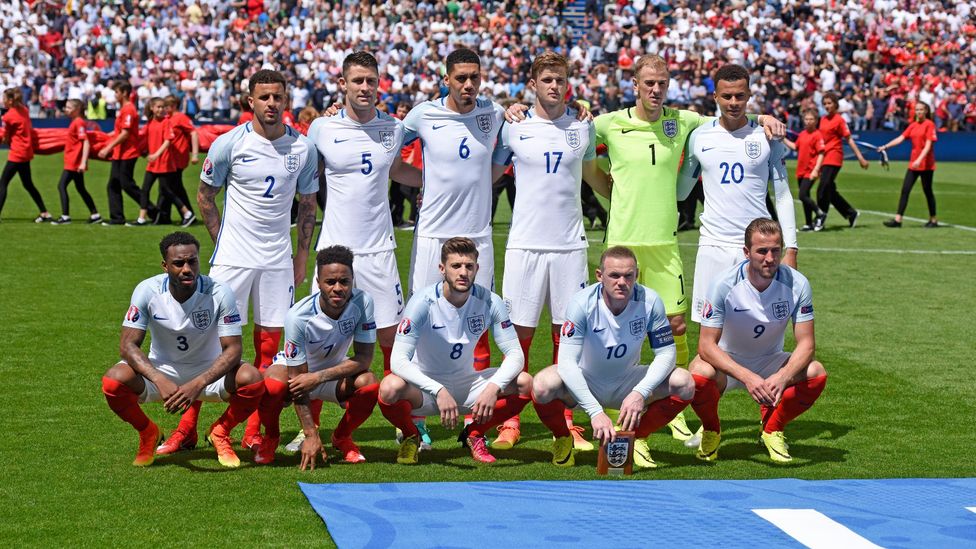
(573, 138)
(476, 324)
(484, 122)
(346, 326)
(753, 149)
(781, 310)
(670, 128)
(292, 163)
(386, 139)
(201, 319)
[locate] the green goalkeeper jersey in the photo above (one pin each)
(644, 162)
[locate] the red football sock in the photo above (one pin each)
(398, 414)
(269, 410)
(316, 408)
(568, 416)
(265, 347)
(705, 403)
(797, 398)
(482, 353)
(505, 408)
(253, 427)
(125, 403)
(387, 351)
(188, 421)
(555, 347)
(551, 415)
(659, 413)
(526, 344)
(242, 404)
(359, 406)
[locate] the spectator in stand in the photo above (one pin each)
(18, 133)
(922, 135)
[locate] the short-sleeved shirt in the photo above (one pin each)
(184, 333)
(315, 338)
(644, 161)
(357, 158)
(918, 133)
(261, 177)
(157, 131)
(17, 126)
(612, 343)
(834, 130)
(74, 144)
(457, 150)
(444, 336)
(180, 128)
(754, 323)
(127, 119)
(809, 145)
(548, 157)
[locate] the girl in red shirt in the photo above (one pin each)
(161, 163)
(809, 145)
(76, 150)
(17, 132)
(921, 163)
(835, 132)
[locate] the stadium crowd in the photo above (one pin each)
(203, 51)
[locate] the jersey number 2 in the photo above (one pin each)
(270, 181)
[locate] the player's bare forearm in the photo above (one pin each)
(406, 174)
(302, 401)
(354, 365)
(597, 179)
(804, 352)
(789, 258)
(711, 353)
(230, 356)
(207, 203)
(306, 221)
(130, 349)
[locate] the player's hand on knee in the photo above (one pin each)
(448, 407)
(630, 411)
(302, 384)
(758, 390)
(775, 385)
(311, 448)
(603, 428)
(515, 113)
(183, 397)
(484, 407)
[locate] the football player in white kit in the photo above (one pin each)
(195, 352)
(262, 164)
(605, 328)
(736, 163)
(744, 320)
(433, 358)
(315, 364)
(545, 260)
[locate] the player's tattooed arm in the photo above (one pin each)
(306, 226)
(130, 349)
(207, 201)
(230, 356)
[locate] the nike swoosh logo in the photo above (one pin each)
(598, 330)
(524, 137)
(315, 342)
(627, 131)
(682, 301)
(708, 149)
(249, 159)
(738, 310)
(566, 459)
(337, 140)
(436, 327)
(159, 317)
(435, 127)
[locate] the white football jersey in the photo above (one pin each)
(458, 150)
(736, 168)
(313, 337)
(357, 158)
(754, 324)
(261, 177)
(185, 333)
(444, 336)
(548, 157)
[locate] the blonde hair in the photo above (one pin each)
(656, 62)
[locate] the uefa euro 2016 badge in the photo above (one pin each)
(476, 324)
(781, 310)
(573, 138)
(670, 128)
(201, 319)
(346, 325)
(484, 123)
(386, 139)
(291, 163)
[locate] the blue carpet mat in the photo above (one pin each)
(892, 513)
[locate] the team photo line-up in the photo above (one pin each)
(434, 336)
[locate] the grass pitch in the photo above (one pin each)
(892, 308)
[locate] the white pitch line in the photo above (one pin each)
(870, 250)
(973, 509)
(941, 224)
(814, 529)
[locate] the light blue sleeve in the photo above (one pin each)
(803, 294)
(295, 321)
(415, 318)
(228, 318)
(217, 164)
(690, 169)
(411, 123)
(366, 326)
(590, 153)
(781, 188)
(308, 178)
(713, 310)
(571, 339)
(505, 337)
(138, 314)
(502, 155)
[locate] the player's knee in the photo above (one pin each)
(816, 369)
(247, 374)
(120, 372)
(364, 379)
(545, 385)
(277, 372)
(678, 326)
(524, 381)
(682, 385)
(392, 388)
(699, 367)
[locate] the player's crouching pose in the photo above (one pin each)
(195, 352)
(743, 323)
(433, 358)
(315, 364)
(606, 324)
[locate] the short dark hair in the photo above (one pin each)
(123, 86)
(334, 254)
(359, 58)
(763, 225)
(179, 238)
(617, 252)
(266, 76)
(731, 73)
(462, 55)
(459, 245)
(832, 96)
